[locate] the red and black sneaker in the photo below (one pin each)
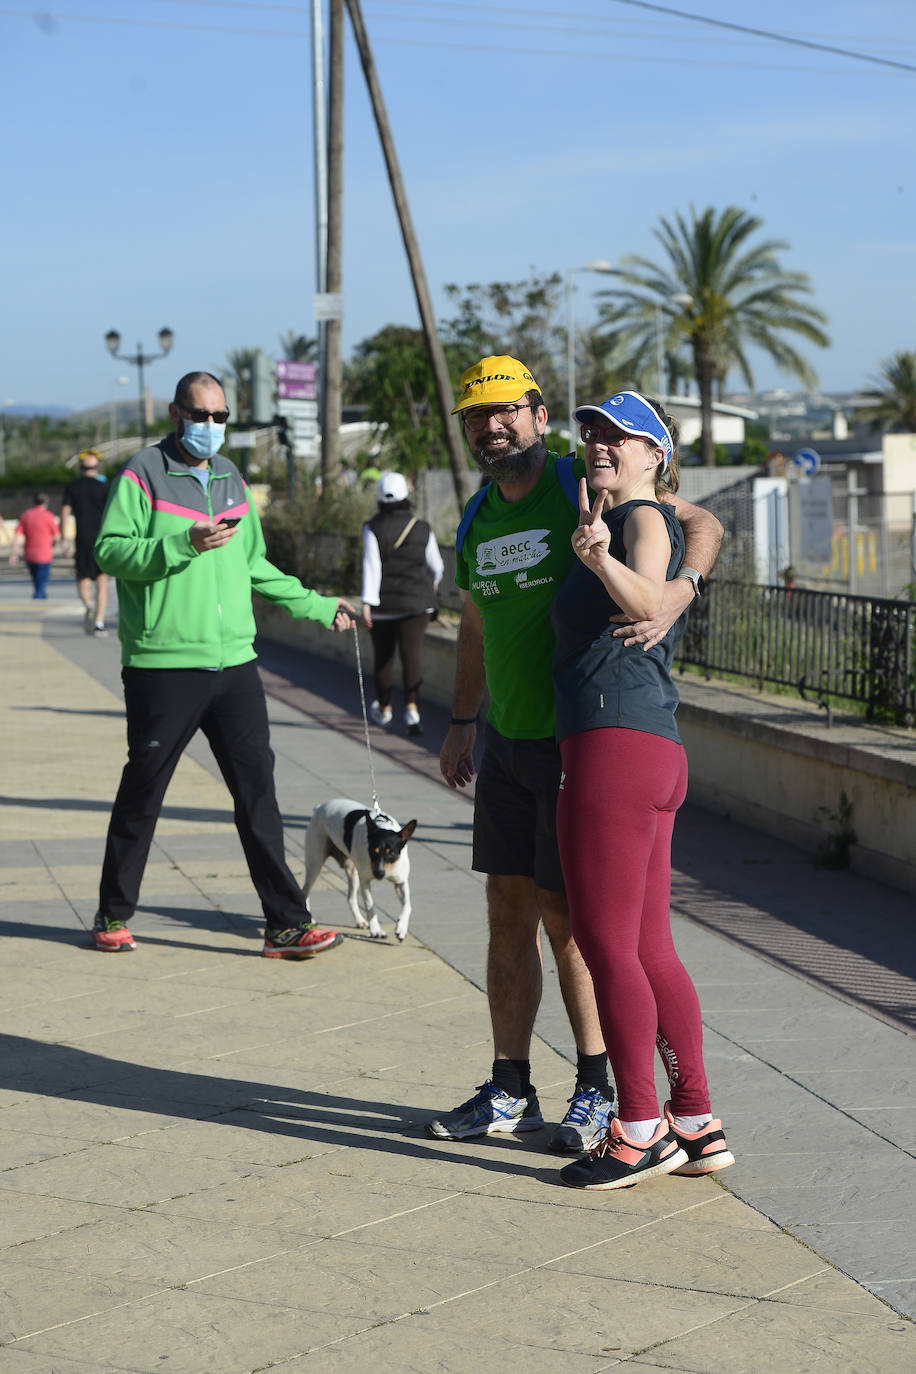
(614, 1161)
(705, 1149)
(111, 935)
(299, 942)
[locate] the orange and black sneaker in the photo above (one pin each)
(616, 1162)
(111, 935)
(299, 942)
(705, 1149)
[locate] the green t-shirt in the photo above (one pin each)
(515, 556)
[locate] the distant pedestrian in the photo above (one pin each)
(402, 569)
(40, 531)
(84, 499)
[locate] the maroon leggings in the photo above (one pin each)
(615, 814)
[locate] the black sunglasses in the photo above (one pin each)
(200, 417)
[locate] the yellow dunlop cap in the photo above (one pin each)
(494, 381)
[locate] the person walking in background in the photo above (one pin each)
(624, 777)
(513, 553)
(84, 498)
(40, 531)
(185, 544)
(402, 569)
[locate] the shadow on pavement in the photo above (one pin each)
(835, 929)
(55, 1070)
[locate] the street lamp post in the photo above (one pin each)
(139, 360)
(596, 265)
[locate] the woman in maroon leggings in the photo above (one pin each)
(624, 777)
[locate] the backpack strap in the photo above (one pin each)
(404, 532)
(470, 511)
(568, 479)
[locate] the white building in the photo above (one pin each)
(727, 420)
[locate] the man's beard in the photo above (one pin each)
(512, 463)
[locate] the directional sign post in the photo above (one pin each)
(297, 393)
(297, 381)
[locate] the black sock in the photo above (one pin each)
(591, 1072)
(512, 1076)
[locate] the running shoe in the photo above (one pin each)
(705, 1149)
(616, 1162)
(299, 942)
(588, 1115)
(111, 935)
(412, 721)
(489, 1112)
(89, 620)
(379, 715)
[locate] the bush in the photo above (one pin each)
(318, 538)
(37, 476)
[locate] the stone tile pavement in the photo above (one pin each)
(214, 1162)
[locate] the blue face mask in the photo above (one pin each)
(203, 440)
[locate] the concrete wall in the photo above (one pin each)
(770, 762)
(438, 651)
(899, 479)
(774, 764)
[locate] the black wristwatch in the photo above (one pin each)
(699, 582)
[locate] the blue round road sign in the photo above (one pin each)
(807, 460)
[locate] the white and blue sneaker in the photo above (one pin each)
(489, 1112)
(589, 1114)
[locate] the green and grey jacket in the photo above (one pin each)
(178, 608)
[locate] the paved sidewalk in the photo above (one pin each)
(216, 1162)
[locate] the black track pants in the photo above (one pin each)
(165, 708)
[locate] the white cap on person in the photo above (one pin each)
(392, 487)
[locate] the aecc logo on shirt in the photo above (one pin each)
(523, 550)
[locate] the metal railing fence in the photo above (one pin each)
(825, 644)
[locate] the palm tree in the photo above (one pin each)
(298, 348)
(721, 295)
(895, 400)
(601, 369)
(241, 362)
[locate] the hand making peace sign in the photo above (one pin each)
(592, 536)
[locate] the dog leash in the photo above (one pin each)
(376, 808)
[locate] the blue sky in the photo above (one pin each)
(157, 163)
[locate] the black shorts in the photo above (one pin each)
(515, 810)
(84, 559)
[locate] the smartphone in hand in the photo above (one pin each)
(230, 522)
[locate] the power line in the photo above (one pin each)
(765, 33)
(50, 21)
(598, 54)
(684, 15)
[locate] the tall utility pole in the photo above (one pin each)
(331, 376)
(456, 455)
(320, 142)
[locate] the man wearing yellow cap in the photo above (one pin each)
(514, 552)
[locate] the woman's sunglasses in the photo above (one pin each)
(598, 434)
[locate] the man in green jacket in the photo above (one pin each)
(182, 537)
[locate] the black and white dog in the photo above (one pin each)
(367, 846)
